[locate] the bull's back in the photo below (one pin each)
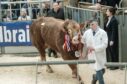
(47, 30)
(52, 32)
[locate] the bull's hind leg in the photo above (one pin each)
(43, 58)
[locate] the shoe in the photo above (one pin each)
(103, 70)
(94, 79)
(114, 68)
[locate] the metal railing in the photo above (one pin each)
(109, 64)
(30, 6)
(81, 15)
(117, 64)
(47, 63)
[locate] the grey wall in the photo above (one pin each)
(122, 37)
(124, 3)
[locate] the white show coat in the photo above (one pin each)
(99, 42)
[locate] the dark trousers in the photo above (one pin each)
(112, 53)
(51, 51)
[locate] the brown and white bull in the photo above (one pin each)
(58, 35)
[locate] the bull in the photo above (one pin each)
(48, 32)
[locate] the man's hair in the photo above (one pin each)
(23, 10)
(94, 21)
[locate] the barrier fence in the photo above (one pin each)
(78, 14)
(18, 64)
(124, 64)
(48, 63)
(82, 15)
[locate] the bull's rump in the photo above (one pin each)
(47, 30)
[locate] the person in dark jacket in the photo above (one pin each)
(111, 27)
(56, 12)
(102, 2)
(112, 3)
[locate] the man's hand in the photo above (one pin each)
(90, 49)
(111, 43)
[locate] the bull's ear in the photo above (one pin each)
(82, 25)
(66, 22)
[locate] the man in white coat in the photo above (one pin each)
(96, 41)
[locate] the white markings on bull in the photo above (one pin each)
(42, 24)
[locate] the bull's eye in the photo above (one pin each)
(69, 31)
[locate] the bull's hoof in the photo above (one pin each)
(49, 70)
(81, 82)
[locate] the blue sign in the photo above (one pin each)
(15, 33)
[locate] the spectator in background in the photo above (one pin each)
(112, 3)
(82, 0)
(35, 10)
(60, 4)
(46, 8)
(8, 16)
(58, 13)
(111, 27)
(4, 6)
(102, 2)
(15, 10)
(54, 0)
(23, 15)
(90, 1)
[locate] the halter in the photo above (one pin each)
(68, 46)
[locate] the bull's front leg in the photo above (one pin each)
(75, 73)
(74, 70)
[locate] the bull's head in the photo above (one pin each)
(72, 36)
(71, 27)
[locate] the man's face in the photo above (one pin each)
(23, 13)
(56, 6)
(108, 13)
(93, 26)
